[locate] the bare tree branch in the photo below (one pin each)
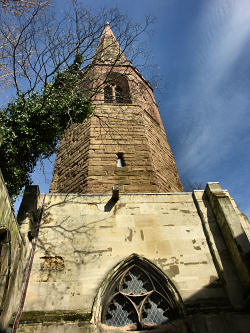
(40, 43)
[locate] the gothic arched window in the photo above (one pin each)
(139, 298)
(108, 94)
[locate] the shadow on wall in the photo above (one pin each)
(244, 249)
(3, 330)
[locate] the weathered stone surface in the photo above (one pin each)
(11, 255)
(91, 238)
(232, 230)
(229, 322)
(87, 158)
(83, 237)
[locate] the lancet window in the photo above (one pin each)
(120, 160)
(138, 300)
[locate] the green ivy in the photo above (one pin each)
(31, 126)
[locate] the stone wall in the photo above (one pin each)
(87, 157)
(11, 255)
(229, 322)
(83, 237)
(165, 171)
(119, 130)
(71, 166)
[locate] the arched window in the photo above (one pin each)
(139, 298)
(117, 90)
(108, 95)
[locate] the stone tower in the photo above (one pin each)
(80, 259)
(123, 143)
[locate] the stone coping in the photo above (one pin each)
(120, 194)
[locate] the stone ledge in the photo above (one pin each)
(52, 316)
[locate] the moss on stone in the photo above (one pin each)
(53, 316)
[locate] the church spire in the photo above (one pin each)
(123, 143)
(108, 49)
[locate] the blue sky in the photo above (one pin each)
(201, 49)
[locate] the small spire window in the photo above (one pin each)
(120, 160)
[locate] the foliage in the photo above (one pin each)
(36, 45)
(31, 126)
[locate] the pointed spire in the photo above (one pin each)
(108, 49)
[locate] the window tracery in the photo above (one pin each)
(137, 300)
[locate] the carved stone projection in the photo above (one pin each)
(139, 298)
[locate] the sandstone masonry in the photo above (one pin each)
(126, 123)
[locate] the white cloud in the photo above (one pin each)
(216, 105)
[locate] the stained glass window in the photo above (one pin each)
(138, 300)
